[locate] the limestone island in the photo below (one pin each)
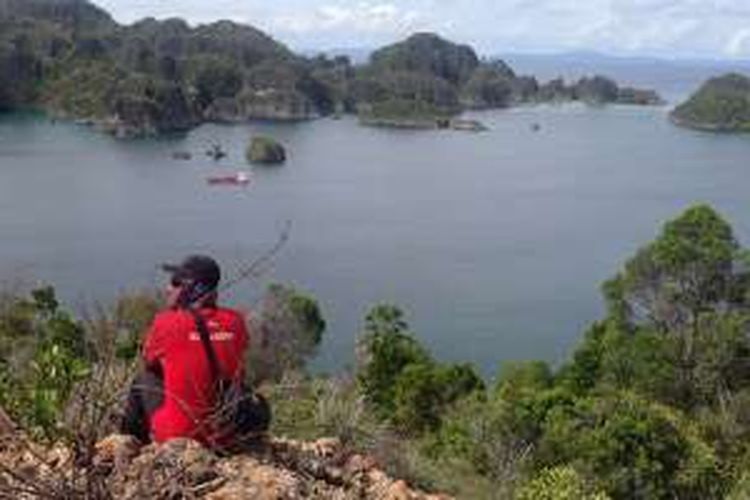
(722, 104)
(73, 60)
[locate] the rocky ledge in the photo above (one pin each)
(117, 467)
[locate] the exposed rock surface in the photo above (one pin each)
(267, 104)
(276, 469)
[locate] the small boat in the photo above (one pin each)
(238, 179)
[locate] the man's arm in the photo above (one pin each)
(155, 345)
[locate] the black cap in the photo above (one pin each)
(199, 269)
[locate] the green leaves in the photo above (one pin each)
(689, 269)
(722, 103)
(400, 379)
(385, 351)
(37, 390)
(631, 448)
(423, 392)
(559, 483)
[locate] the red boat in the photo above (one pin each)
(238, 179)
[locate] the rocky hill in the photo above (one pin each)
(721, 104)
(72, 59)
(425, 79)
(118, 467)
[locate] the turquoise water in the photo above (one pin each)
(494, 243)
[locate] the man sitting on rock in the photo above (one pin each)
(193, 352)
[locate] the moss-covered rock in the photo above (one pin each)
(265, 150)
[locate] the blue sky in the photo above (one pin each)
(671, 28)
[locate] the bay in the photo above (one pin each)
(495, 243)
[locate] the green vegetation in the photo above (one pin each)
(426, 53)
(44, 354)
(265, 150)
(559, 483)
(652, 404)
(721, 104)
(152, 77)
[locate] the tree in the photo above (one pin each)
(518, 377)
(48, 354)
(689, 269)
(680, 305)
(289, 331)
(559, 483)
(385, 350)
(423, 392)
(216, 77)
(631, 448)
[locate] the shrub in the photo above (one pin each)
(288, 333)
(559, 483)
(54, 356)
(423, 393)
(631, 448)
(517, 378)
(384, 352)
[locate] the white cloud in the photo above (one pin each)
(679, 27)
(739, 44)
(382, 18)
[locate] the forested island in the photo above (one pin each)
(71, 59)
(722, 104)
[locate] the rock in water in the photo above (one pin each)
(265, 150)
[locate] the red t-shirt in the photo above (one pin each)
(174, 342)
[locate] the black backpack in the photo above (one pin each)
(238, 411)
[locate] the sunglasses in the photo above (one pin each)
(176, 281)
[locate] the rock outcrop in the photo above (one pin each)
(265, 150)
(275, 469)
(266, 104)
